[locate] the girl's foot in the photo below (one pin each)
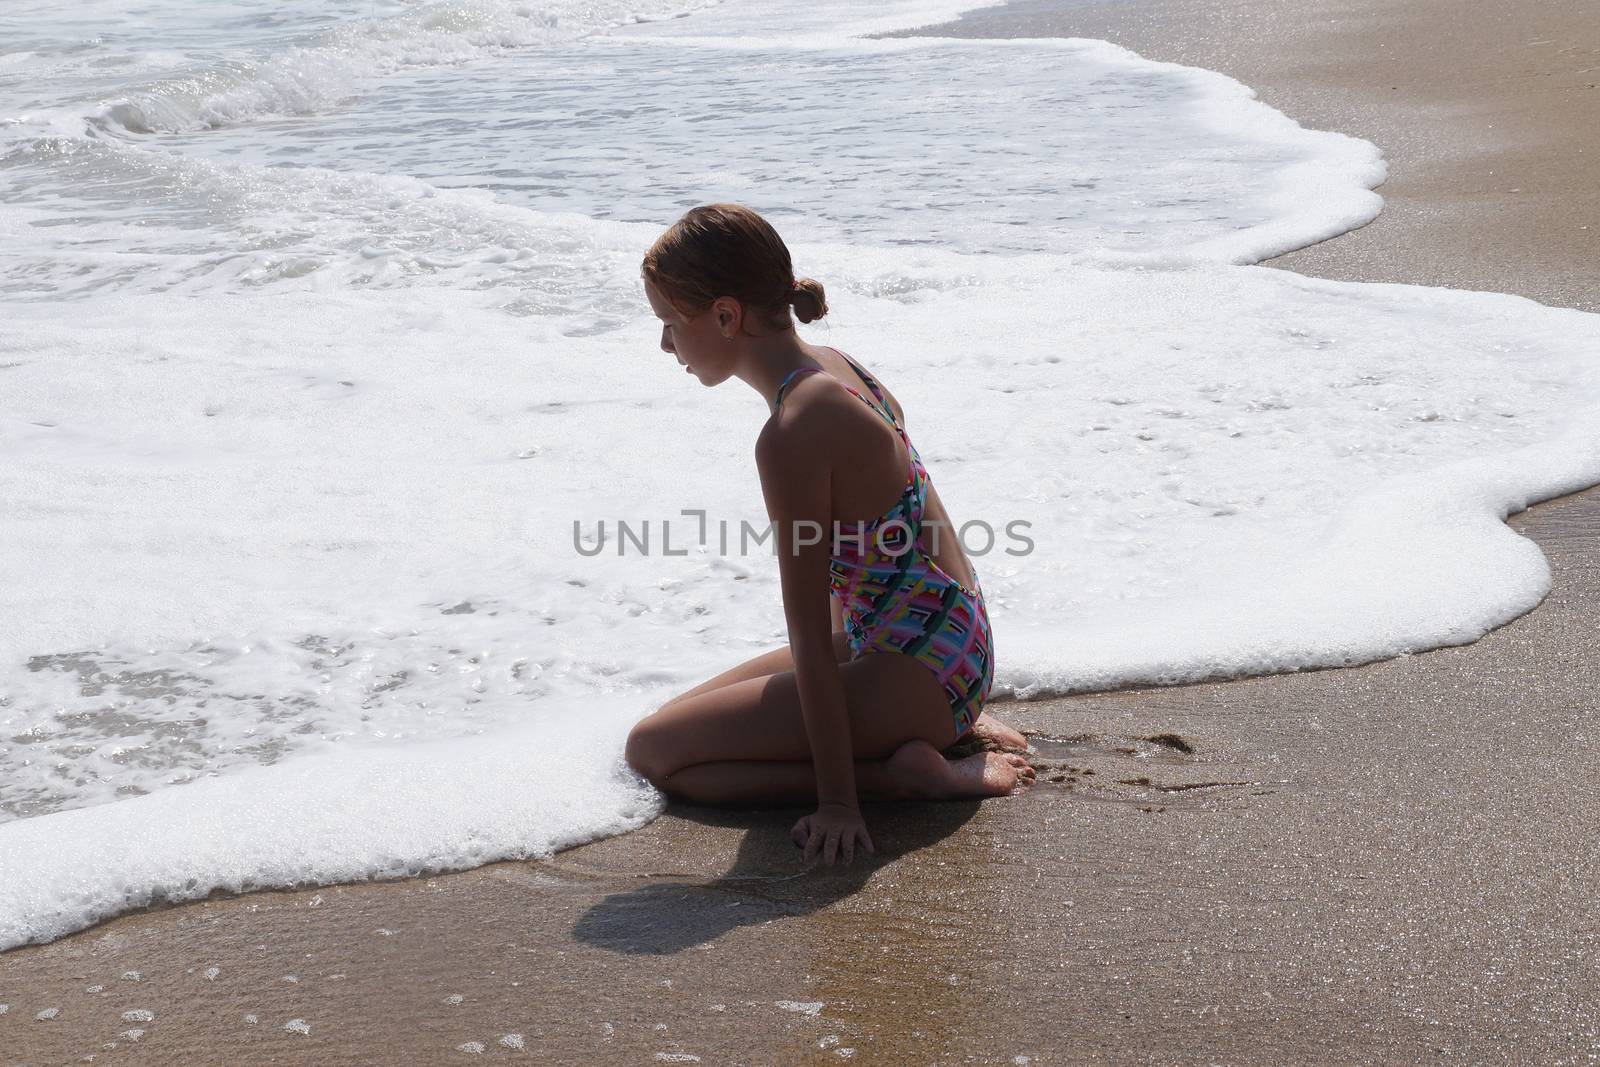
(919, 769)
(996, 732)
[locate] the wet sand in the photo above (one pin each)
(1392, 862)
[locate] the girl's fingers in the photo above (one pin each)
(829, 844)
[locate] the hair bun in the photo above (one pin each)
(808, 299)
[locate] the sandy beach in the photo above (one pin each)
(1394, 862)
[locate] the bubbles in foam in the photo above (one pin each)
(1238, 181)
(343, 587)
(309, 70)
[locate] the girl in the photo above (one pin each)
(890, 656)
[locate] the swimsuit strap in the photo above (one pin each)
(784, 387)
(918, 484)
(872, 385)
(884, 410)
(918, 480)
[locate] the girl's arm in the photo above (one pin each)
(795, 481)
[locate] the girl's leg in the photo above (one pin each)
(779, 659)
(745, 742)
(916, 770)
(782, 659)
(992, 729)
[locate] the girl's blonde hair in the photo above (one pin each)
(728, 250)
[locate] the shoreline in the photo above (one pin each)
(1491, 161)
(1378, 862)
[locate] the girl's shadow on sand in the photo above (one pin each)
(767, 880)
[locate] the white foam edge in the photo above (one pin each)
(894, 16)
(366, 814)
(1314, 200)
(1410, 540)
(1318, 198)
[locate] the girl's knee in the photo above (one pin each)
(644, 751)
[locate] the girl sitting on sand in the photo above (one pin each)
(890, 656)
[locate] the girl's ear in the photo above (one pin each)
(729, 315)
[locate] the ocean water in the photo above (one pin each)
(324, 358)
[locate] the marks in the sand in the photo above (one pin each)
(1153, 772)
(510, 1042)
(1181, 787)
(805, 1026)
(1172, 741)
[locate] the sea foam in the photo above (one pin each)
(302, 487)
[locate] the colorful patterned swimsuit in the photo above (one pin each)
(896, 598)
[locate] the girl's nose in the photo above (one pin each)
(666, 342)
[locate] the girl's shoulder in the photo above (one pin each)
(864, 382)
(816, 419)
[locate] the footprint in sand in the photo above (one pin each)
(1095, 766)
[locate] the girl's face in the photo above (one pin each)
(697, 341)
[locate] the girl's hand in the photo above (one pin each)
(833, 828)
